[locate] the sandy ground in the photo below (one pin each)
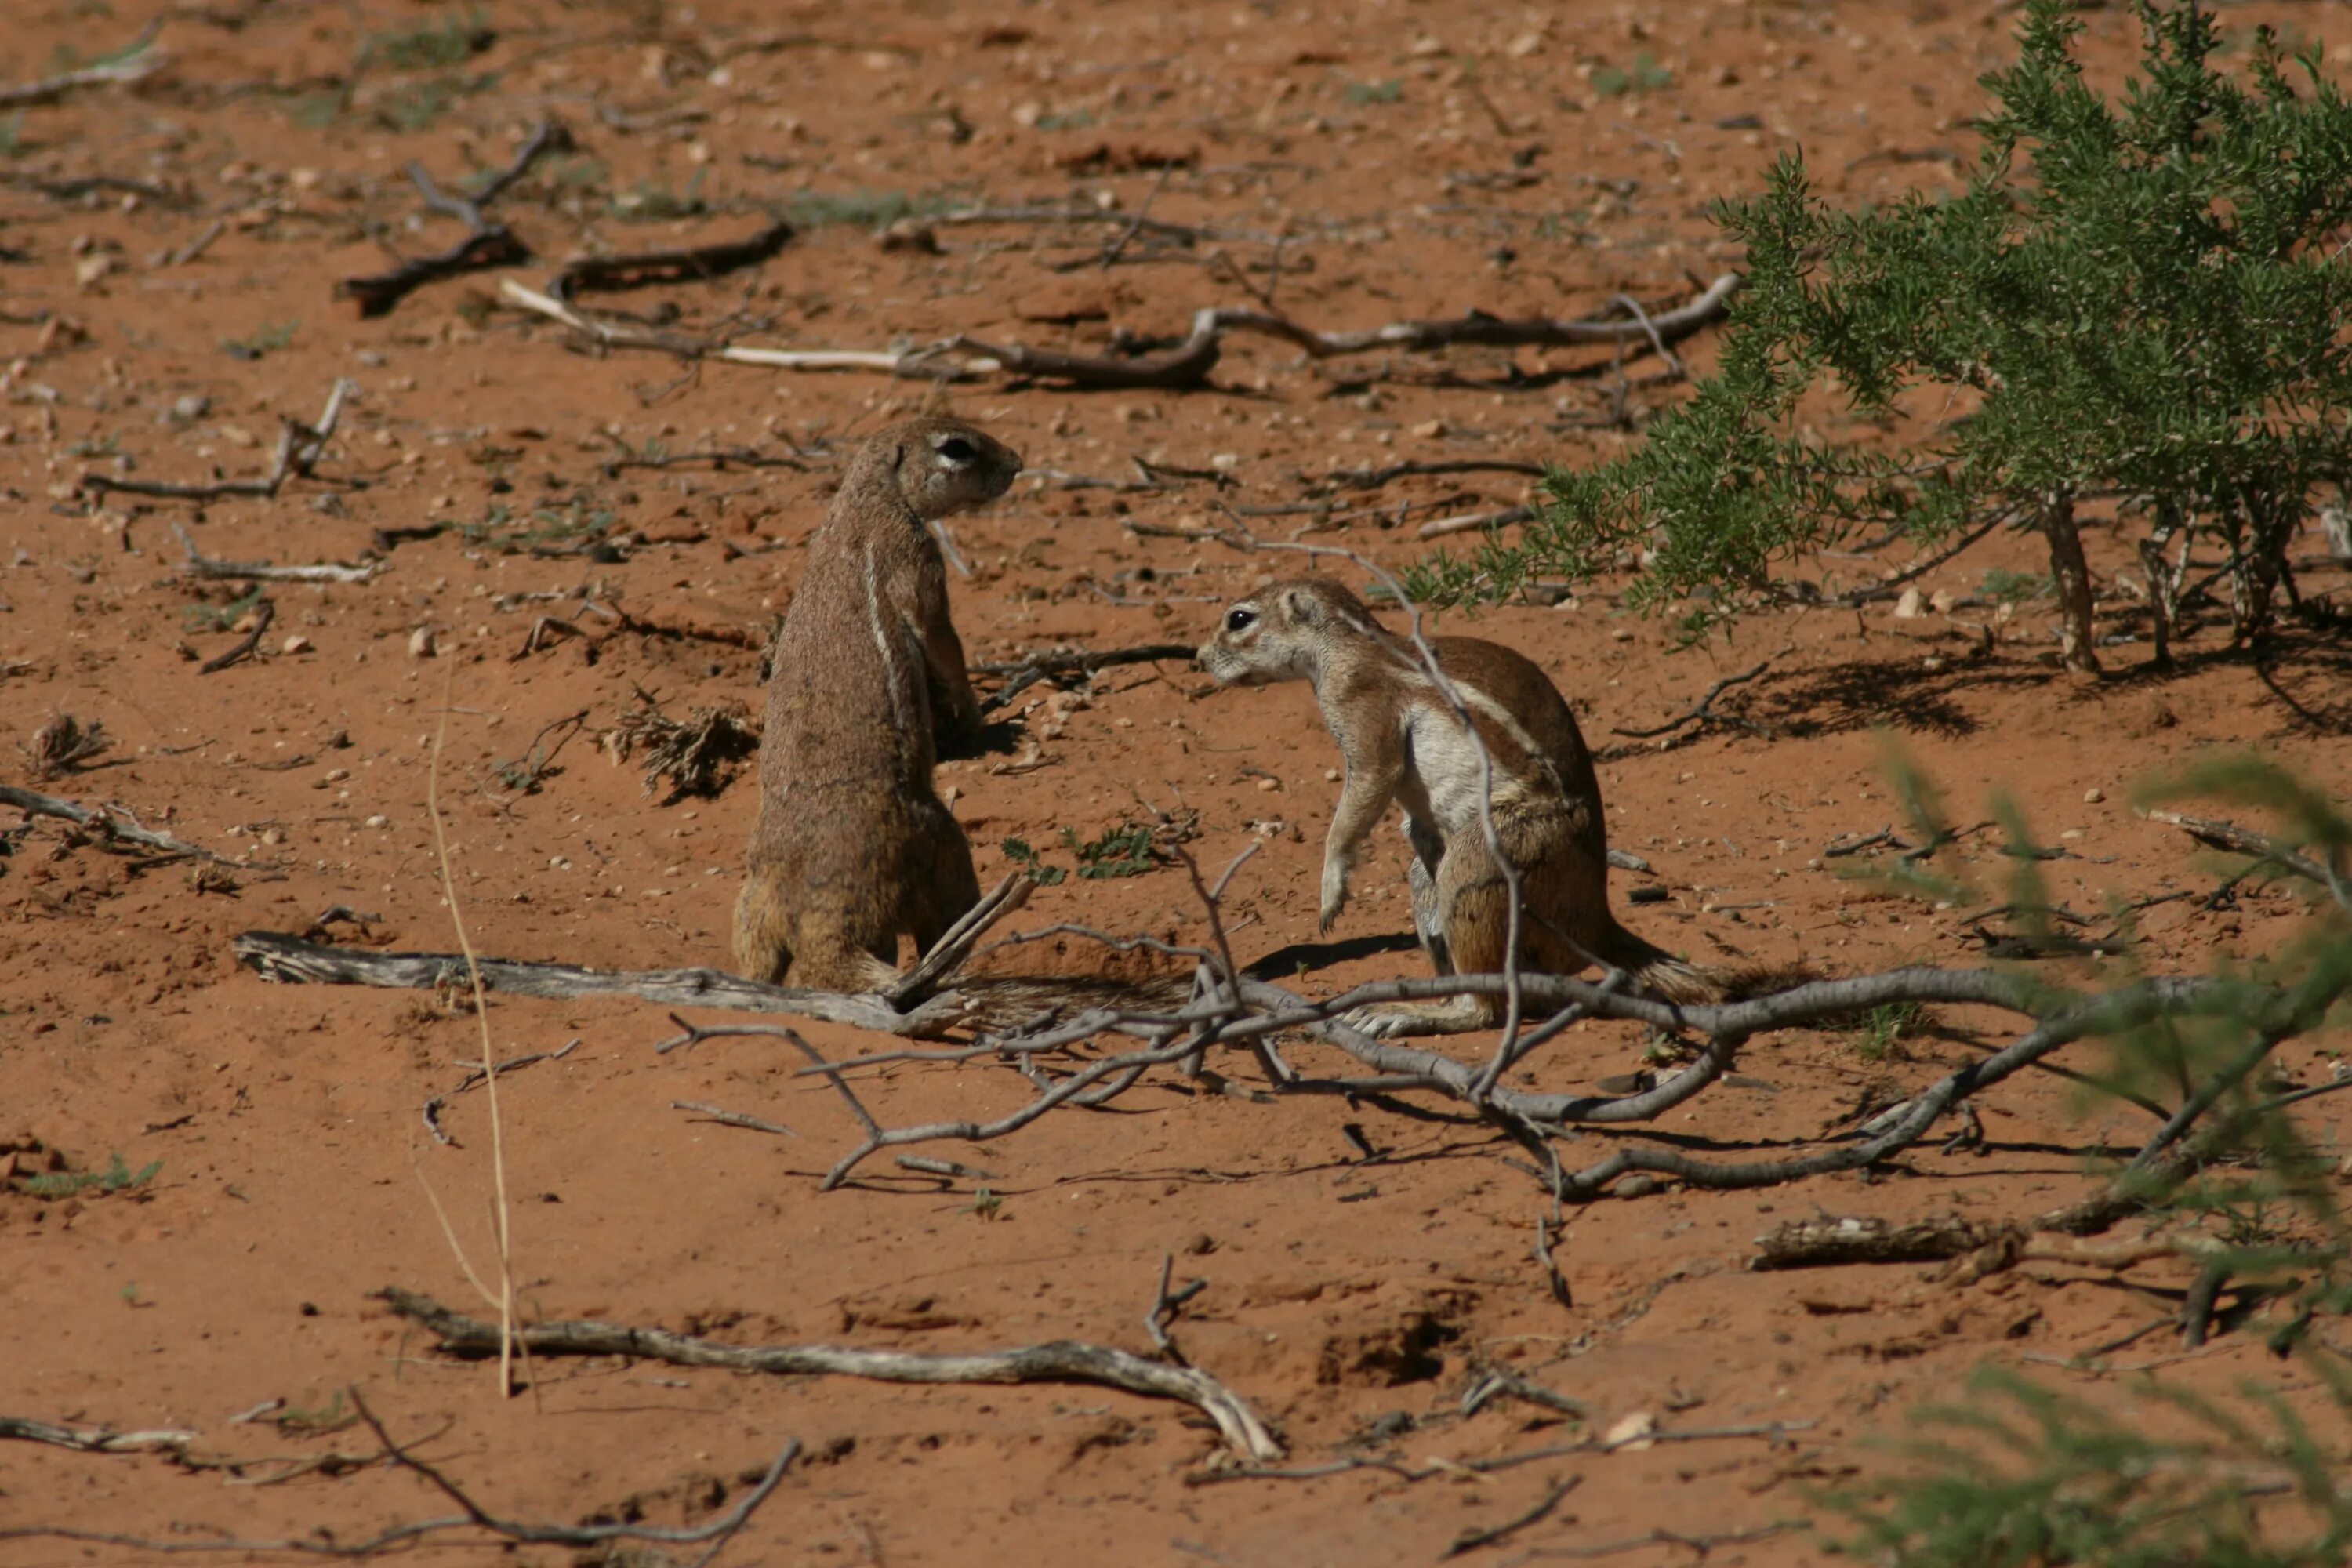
(1421, 160)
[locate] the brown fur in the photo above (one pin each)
(854, 848)
(1402, 741)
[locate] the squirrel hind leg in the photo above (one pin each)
(762, 925)
(1454, 1015)
(942, 884)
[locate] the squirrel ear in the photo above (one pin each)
(1301, 607)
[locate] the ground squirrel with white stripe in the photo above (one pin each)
(854, 846)
(1403, 741)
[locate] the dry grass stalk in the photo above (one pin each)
(698, 754)
(63, 745)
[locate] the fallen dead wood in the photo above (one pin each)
(263, 614)
(1024, 673)
(1183, 367)
(109, 822)
(93, 1439)
(642, 270)
(134, 61)
(2219, 835)
(1472, 521)
(601, 1536)
(1060, 1361)
(299, 447)
(488, 243)
(291, 961)
(198, 565)
(1990, 1246)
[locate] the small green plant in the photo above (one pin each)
(220, 618)
(1646, 74)
(1020, 852)
(1883, 1029)
(414, 106)
(576, 527)
(986, 1203)
(2006, 587)
(2020, 1477)
(95, 447)
(2135, 305)
(860, 208)
(118, 1177)
(438, 44)
(1123, 851)
(267, 339)
(1363, 94)
(654, 201)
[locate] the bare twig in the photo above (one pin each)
(93, 1439)
(733, 1118)
(111, 822)
(1061, 1361)
(133, 62)
(1702, 713)
(1473, 1539)
(642, 270)
(199, 565)
(288, 960)
(1472, 521)
(299, 447)
(1019, 677)
(488, 243)
(1185, 366)
(263, 614)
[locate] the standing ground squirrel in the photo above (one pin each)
(853, 846)
(1403, 740)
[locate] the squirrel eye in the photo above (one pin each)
(1238, 620)
(956, 449)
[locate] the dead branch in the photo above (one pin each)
(1702, 713)
(1472, 1538)
(1183, 366)
(1373, 479)
(955, 944)
(263, 614)
(134, 61)
(299, 447)
(1771, 1432)
(291, 961)
(1060, 1361)
(475, 1517)
(2217, 834)
(198, 565)
(112, 823)
(733, 1118)
(1472, 521)
(642, 270)
(93, 1439)
(487, 242)
(1019, 677)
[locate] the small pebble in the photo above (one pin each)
(298, 642)
(379, 822)
(2093, 795)
(421, 643)
(1269, 783)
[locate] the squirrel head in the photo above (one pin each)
(1283, 632)
(938, 466)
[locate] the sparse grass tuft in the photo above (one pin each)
(64, 743)
(698, 754)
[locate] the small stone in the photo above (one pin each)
(337, 775)
(1430, 429)
(2093, 795)
(1330, 775)
(377, 821)
(1906, 608)
(1523, 46)
(298, 642)
(420, 644)
(1269, 783)
(1941, 601)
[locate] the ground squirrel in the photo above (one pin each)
(1403, 740)
(853, 846)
